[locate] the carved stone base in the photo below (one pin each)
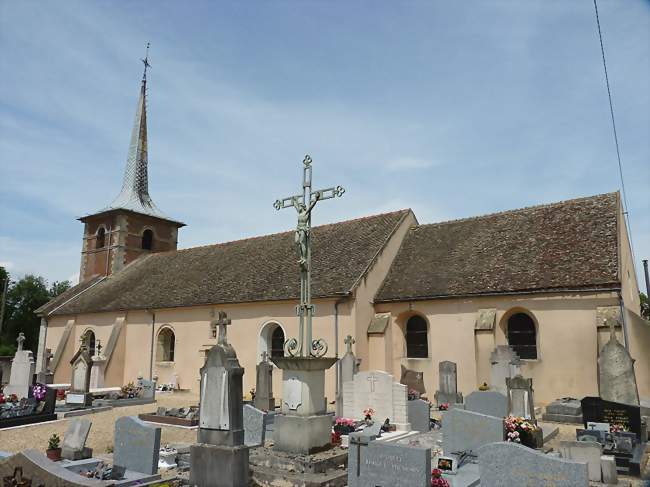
(302, 434)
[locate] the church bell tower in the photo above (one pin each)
(132, 225)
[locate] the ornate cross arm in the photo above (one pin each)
(326, 194)
(287, 202)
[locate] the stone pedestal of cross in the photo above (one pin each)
(304, 204)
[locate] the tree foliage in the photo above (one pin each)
(23, 298)
(645, 306)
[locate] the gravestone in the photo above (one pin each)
(564, 410)
(98, 368)
(595, 409)
(348, 366)
(79, 392)
(520, 397)
(220, 458)
(419, 415)
(45, 375)
(448, 378)
(413, 379)
(466, 431)
(254, 426)
(22, 371)
(377, 390)
(511, 464)
(264, 399)
(74, 440)
(378, 464)
(491, 403)
(137, 445)
(616, 379)
(505, 363)
(148, 388)
(584, 451)
(608, 470)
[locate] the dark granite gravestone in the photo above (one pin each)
(264, 399)
(388, 465)
(413, 379)
(220, 458)
(595, 409)
(137, 445)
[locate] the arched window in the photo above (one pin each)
(166, 345)
(89, 341)
(522, 335)
(147, 240)
(100, 240)
(277, 343)
(417, 345)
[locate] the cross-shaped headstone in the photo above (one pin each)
(20, 340)
(372, 379)
(222, 323)
(349, 341)
(611, 322)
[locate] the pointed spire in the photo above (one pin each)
(134, 195)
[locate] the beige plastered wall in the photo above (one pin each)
(567, 340)
(193, 337)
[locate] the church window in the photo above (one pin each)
(522, 336)
(417, 344)
(147, 240)
(100, 241)
(89, 341)
(277, 343)
(166, 345)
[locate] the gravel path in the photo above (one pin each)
(101, 434)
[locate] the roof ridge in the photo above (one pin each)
(517, 210)
(352, 220)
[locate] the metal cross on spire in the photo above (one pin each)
(304, 204)
(145, 61)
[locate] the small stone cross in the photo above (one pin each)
(99, 347)
(372, 379)
(611, 322)
(222, 323)
(20, 340)
(349, 341)
(265, 356)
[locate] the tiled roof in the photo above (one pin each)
(568, 245)
(255, 269)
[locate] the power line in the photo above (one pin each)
(626, 212)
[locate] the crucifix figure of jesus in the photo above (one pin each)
(304, 204)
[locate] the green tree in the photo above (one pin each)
(58, 288)
(645, 306)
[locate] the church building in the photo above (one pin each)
(542, 279)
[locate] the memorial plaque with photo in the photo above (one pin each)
(595, 409)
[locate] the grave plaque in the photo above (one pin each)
(511, 464)
(293, 393)
(595, 409)
(388, 465)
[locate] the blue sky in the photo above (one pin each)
(451, 108)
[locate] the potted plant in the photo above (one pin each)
(53, 451)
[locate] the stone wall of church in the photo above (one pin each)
(567, 340)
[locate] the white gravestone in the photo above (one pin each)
(505, 364)
(23, 368)
(377, 390)
(214, 413)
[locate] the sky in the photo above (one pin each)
(453, 109)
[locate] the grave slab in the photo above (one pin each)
(467, 431)
(137, 445)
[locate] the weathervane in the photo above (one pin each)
(145, 61)
(304, 204)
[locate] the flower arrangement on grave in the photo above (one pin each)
(443, 407)
(12, 398)
(335, 438)
(344, 426)
(437, 480)
(413, 395)
(39, 391)
(484, 387)
(520, 430)
(2, 398)
(368, 413)
(53, 451)
(617, 428)
(131, 390)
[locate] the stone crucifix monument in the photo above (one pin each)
(220, 458)
(303, 425)
(616, 378)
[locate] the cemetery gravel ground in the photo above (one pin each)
(100, 438)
